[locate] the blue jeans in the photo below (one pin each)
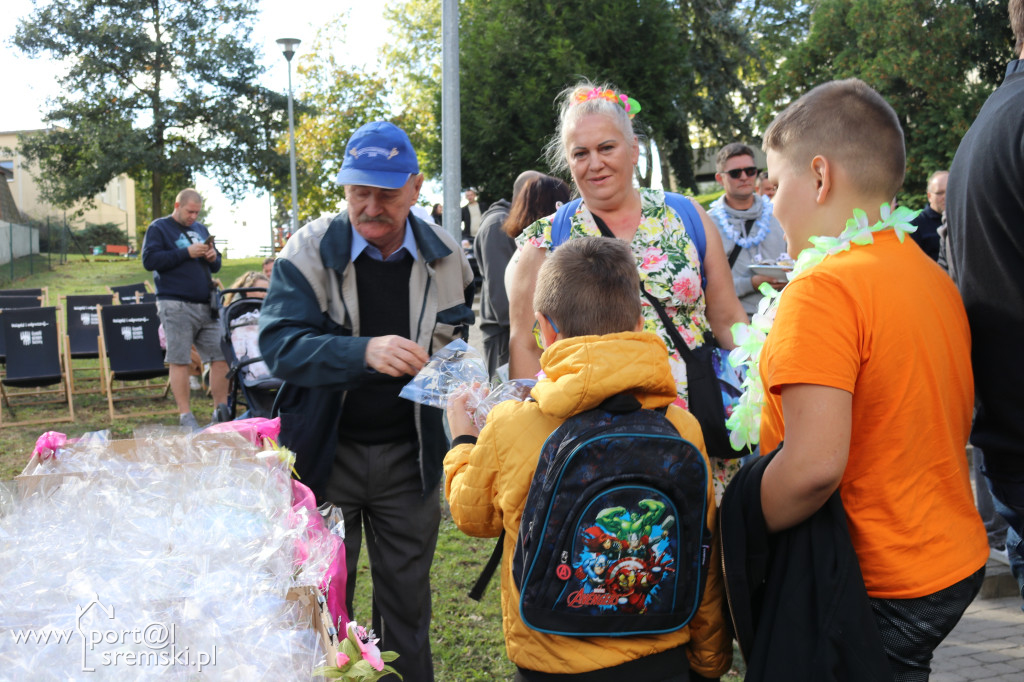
(1008, 498)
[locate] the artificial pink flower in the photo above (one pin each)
(48, 444)
(367, 645)
(342, 659)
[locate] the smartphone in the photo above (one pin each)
(209, 240)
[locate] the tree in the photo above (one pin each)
(693, 65)
(338, 99)
(96, 234)
(412, 65)
(516, 56)
(928, 59)
(155, 89)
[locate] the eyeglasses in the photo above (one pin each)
(536, 331)
(749, 171)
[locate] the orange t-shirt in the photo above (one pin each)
(885, 323)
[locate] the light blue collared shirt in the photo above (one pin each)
(359, 244)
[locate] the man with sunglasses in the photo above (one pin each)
(750, 233)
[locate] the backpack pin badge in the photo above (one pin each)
(563, 571)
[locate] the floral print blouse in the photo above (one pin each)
(669, 268)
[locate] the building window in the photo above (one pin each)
(9, 165)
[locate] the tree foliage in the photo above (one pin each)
(338, 98)
(155, 89)
(934, 62)
(412, 65)
(692, 64)
(97, 234)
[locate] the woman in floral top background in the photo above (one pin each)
(595, 142)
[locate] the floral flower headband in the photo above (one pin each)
(631, 106)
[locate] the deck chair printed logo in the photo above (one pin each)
(31, 338)
(90, 319)
(132, 333)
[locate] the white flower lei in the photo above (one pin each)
(763, 224)
(745, 422)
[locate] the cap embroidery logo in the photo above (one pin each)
(375, 151)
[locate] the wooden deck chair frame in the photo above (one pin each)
(63, 365)
(42, 292)
(83, 304)
(108, 375)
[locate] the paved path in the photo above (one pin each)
(987, 644)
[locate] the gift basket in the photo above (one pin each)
(169, 555)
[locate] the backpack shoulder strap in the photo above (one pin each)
(477, 593)
(694, 227)
(562, 222)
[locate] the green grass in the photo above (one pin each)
(90, 276)
(466, 636)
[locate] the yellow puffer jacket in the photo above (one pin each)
(487, 483)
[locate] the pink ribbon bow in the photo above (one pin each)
(48, 444)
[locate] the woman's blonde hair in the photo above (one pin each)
(252, 278)
(571, 110)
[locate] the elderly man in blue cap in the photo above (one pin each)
(357, 304)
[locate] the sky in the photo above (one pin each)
(27, 83)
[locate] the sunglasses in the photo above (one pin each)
(749, 171)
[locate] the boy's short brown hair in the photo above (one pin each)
(589, 286)
(849, 122)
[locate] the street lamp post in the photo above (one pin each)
(288, 47)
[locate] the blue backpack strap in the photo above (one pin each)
(694, 227)
(562, 222)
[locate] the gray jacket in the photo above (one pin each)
(771, 248)
(309, 336)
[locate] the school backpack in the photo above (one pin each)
(614, 538)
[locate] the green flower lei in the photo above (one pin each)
(745, 422)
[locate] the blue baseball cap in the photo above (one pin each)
(379, 154)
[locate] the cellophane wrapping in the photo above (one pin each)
(456, 369)
(169, 556)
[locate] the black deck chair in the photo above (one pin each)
(131, 293)
(83, 330)
(43, 293)
(130, 350)
(35, 359)
(12, 303)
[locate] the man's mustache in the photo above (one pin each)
(374, 219)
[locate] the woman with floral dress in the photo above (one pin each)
(595, 142)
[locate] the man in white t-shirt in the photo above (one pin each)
(471, 213)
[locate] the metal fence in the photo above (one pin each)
(35, 247)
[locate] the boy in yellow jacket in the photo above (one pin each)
(588, 308)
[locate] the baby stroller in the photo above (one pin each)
(239, 341)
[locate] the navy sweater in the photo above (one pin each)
(165, 253)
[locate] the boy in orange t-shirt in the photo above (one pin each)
(867, 377)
